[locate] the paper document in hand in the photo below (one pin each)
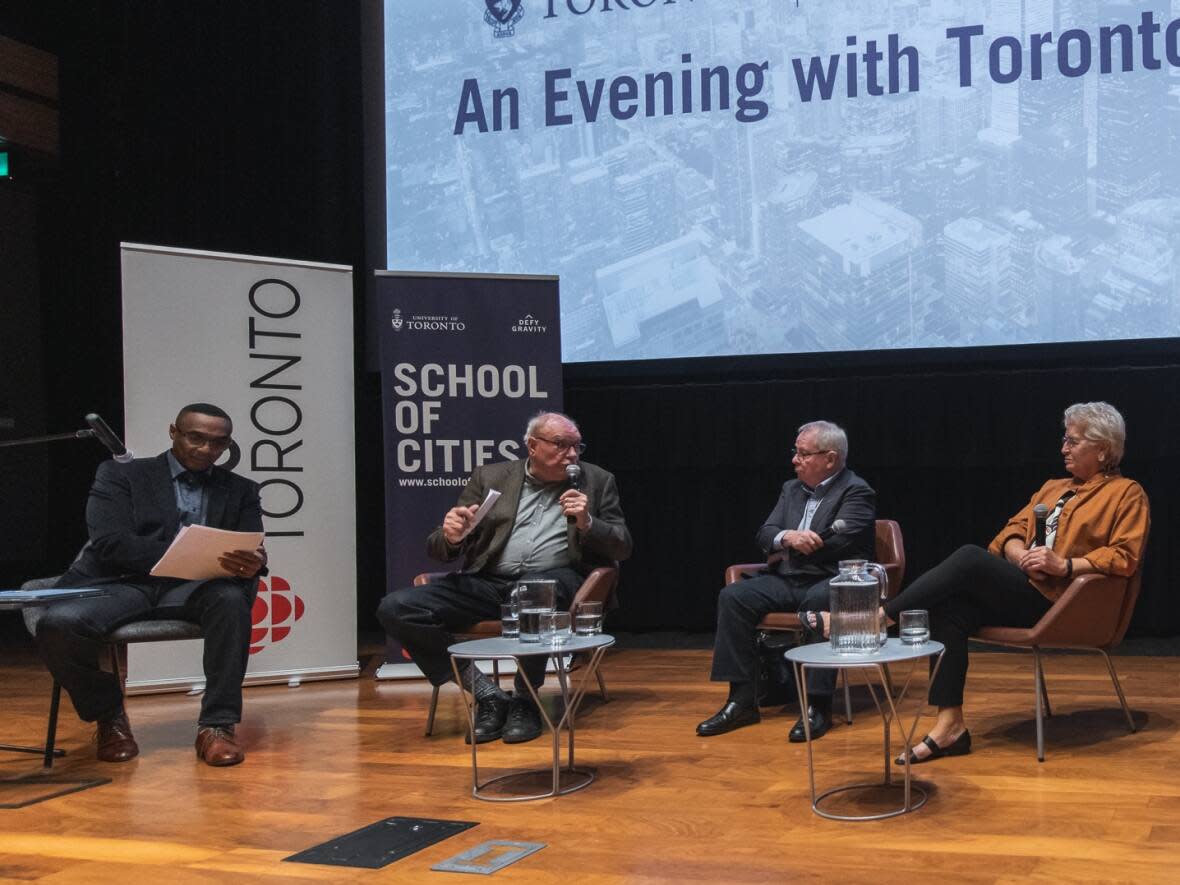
(487, 504)
(196, 549)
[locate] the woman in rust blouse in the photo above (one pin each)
(1097, 522)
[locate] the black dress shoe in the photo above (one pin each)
(821, 721)
(490, 715)
(728, 718)
(524, 722)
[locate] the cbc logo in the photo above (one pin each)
(276, 609)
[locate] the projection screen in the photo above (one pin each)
(770, 176)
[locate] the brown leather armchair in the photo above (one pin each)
(1092, 615)
(598, 586)
(890, 553)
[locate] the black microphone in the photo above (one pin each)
(1041, 515)
(836, 528)
(107, 437)
(573, 475)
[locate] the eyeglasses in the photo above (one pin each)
(200, 440)
(802, 454)
(563, 444)
(1070, 443)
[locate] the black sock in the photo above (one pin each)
(741, 693)
(821, 702)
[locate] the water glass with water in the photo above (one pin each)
(588, 619)
(555, 627)
(914, 626)
(510, 620)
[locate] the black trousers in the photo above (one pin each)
(968, 589)
(739, 609)
(423, 619)
(70, 635)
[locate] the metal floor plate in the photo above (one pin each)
(467, 862)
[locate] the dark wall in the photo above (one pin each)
(238, 127)
(222, 125)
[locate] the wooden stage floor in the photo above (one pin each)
(328, 758)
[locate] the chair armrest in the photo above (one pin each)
(598, 586)
(1087, 614)
(734, 573)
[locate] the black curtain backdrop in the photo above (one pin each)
(237, 126)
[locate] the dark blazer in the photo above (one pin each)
(849, 498)
(606, 542)
(131, 518)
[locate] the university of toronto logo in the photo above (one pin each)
(397, 320)
(276, 609)
(502, 16)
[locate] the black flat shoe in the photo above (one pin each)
(728, 718)
(524, 722)
(820, 722)
(490, 715)
(960, 747)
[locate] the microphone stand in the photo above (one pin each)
(84, 433)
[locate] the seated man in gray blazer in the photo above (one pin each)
(538, 528)
(800, 528)
(133, 513)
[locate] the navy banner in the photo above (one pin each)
(466, 360)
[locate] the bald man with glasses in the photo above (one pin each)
(538, 528)
(799, 529)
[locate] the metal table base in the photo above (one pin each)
(483, 649)
(893, 652)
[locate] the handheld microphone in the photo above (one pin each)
(573, 475)
(1041, 515)
(107, 437)
(836, 528)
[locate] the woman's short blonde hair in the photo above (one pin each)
(1101, 423)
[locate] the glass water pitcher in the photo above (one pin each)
(857, 594)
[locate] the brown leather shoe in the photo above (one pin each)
(216, 745)
(115, 741)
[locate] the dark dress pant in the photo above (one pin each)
(424, 619)
(71, 637)
(968, 589)
(743, 604)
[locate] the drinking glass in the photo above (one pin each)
(915, 626)
(555, 627)
(588, 619)
(510, 620)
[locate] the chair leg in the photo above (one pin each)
(1044, 690)
(1114, 677)
(1039, 690)
(433, 708)
(847, 697)
(51, 728)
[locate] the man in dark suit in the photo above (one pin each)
(133, 513)
(824, 490)
(538, 528)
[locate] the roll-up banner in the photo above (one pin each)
(271, 342)
(466, 360)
